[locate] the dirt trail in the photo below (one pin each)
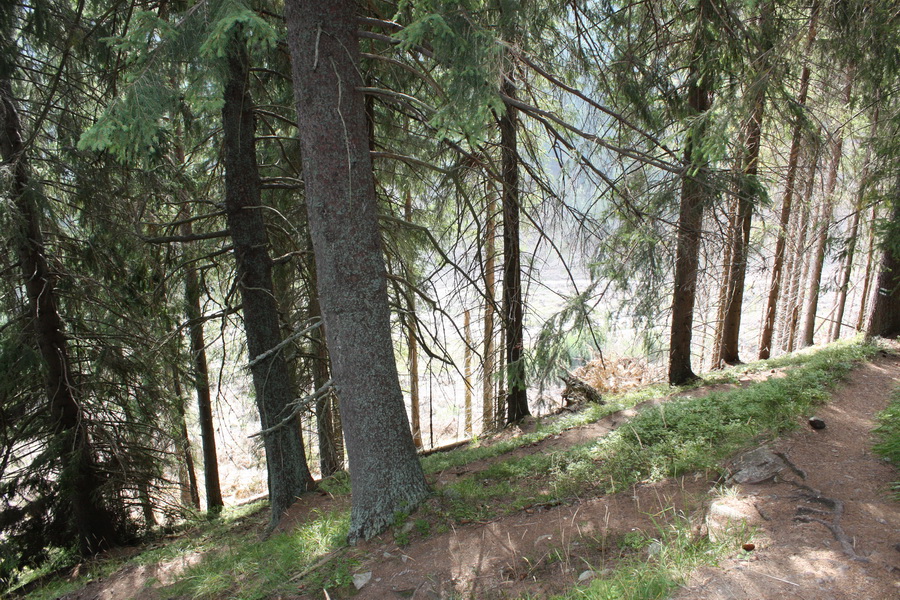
(545, 553)
(845, 544)
(798, 552)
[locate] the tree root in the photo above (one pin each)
(836, 511)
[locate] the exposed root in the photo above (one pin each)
(836, 511)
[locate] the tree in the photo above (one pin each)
(884, 320)
(693, 197)
(513, 309)
(80, 479)
(385, 473)
(765, 341)
(288, 474)
(748, 194)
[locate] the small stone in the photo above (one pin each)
(816, 423)
(585, 576)
(361, 579)
(387, 555)
(654, 548)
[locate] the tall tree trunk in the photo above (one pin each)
(385, 473)
(488, 394)
(467, 371)
(288, 475)
(328, 424)
(884, 320)
(200, 378)
(690, 218)
(79, 480)
(413, 346)
(513, 313)
(867, 279)
(726, 277)
(748, 196)
(190, 494)
(801, 260)
(765, 340)
(824, 223)
(844, 286)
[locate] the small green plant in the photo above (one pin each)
(888, 432)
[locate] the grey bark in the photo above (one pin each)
(385, 473)
(288, 475)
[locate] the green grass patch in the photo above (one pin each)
(888, 433)
(655, 563)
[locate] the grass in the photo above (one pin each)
(669, 440)
(888, 432)
(682, 435)
(656, 563)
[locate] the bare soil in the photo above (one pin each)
(826, 529)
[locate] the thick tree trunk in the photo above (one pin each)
(513, 313)
(200, 378)
(288, 474)
(687, 257)
(385, 473)
(79, 479)
(884, 320)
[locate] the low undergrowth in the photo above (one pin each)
(684, 434)
(888, 432)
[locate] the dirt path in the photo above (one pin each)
(798, 555)
(833, 535)
(546, 552)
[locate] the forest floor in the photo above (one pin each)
(825, 526)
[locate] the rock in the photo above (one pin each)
(585, 576)
(654, 548)
(361, 579)
(725, 517)
(816, 423)
(756, 466)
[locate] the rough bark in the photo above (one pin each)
(80, 480)
(884, 319)
(748, 196)
(288, 475)
(765, 340)
(385, 473)
(690, 221)
(513, 313)
(200, 379)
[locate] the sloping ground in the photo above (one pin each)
(830, 534)
(834, 535)
(542, 552)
